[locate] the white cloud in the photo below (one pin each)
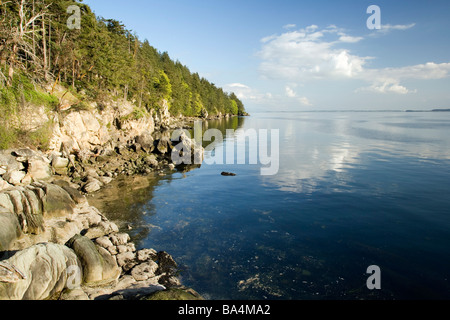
(309, 54)
(349, 39)
(244, 92)
(387, 87)
(305, 102)
(289, 26)
(401, 27)
(290, 92)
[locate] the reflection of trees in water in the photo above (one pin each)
(128, 200)
(222, 125)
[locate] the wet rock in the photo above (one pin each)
(228, 174)
(144, 271)
(175, 294)
(167, 264)
(126, 260)
(146, 255)
(93, 185)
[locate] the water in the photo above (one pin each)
(353, 190)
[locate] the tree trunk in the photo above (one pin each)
(50, 45)
(44, 49)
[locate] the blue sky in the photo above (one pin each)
(303, 55)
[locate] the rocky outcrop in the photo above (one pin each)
(44, 269)
(54, 245)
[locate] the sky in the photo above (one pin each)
(292, 55)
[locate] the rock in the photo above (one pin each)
(57, 201)
(104, 242)
(10, 229)
(2, 170)
(105, 180)
(45, 268)
(146, 142)
(39, 168)
(144, 271)
(102, 229)
(126, 260)
(175, 294)
(146, 255)
(14, 177)
(4, 185)
(24, 153)
(164, 146)
(122, 249)
(5, 202)
(76, 195)
(92, 186)
(151, 161)
(60, 163)
(166, 264)
(74, 295)
(120, 239)
(99, 267)
(228, 174)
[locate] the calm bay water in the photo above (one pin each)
(353, 190)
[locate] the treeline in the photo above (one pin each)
(43, 40)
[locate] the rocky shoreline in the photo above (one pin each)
(53, 243)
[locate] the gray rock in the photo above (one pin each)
(10, 229)
(45, 268)
(144, 271)
(120, 239)
(25, 153)
(57, 202)
(104, 242)
(39, 168)
(146, 255)
(14, 177)
(166, 264)
(126, 260)
(92, 186)
(99, 267)
(164, 146)
(60, 163)
(4, 185)
(146, 142)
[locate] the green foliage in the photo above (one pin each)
(105, 59)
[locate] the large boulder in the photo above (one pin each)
(57, 202)
(40, 272)
(99, 267)
(10, 229)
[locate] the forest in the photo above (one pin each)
(63, 42)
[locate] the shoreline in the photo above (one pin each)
(127, 274)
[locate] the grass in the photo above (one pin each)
(23, 92)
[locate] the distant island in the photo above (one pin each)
(434, 110)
